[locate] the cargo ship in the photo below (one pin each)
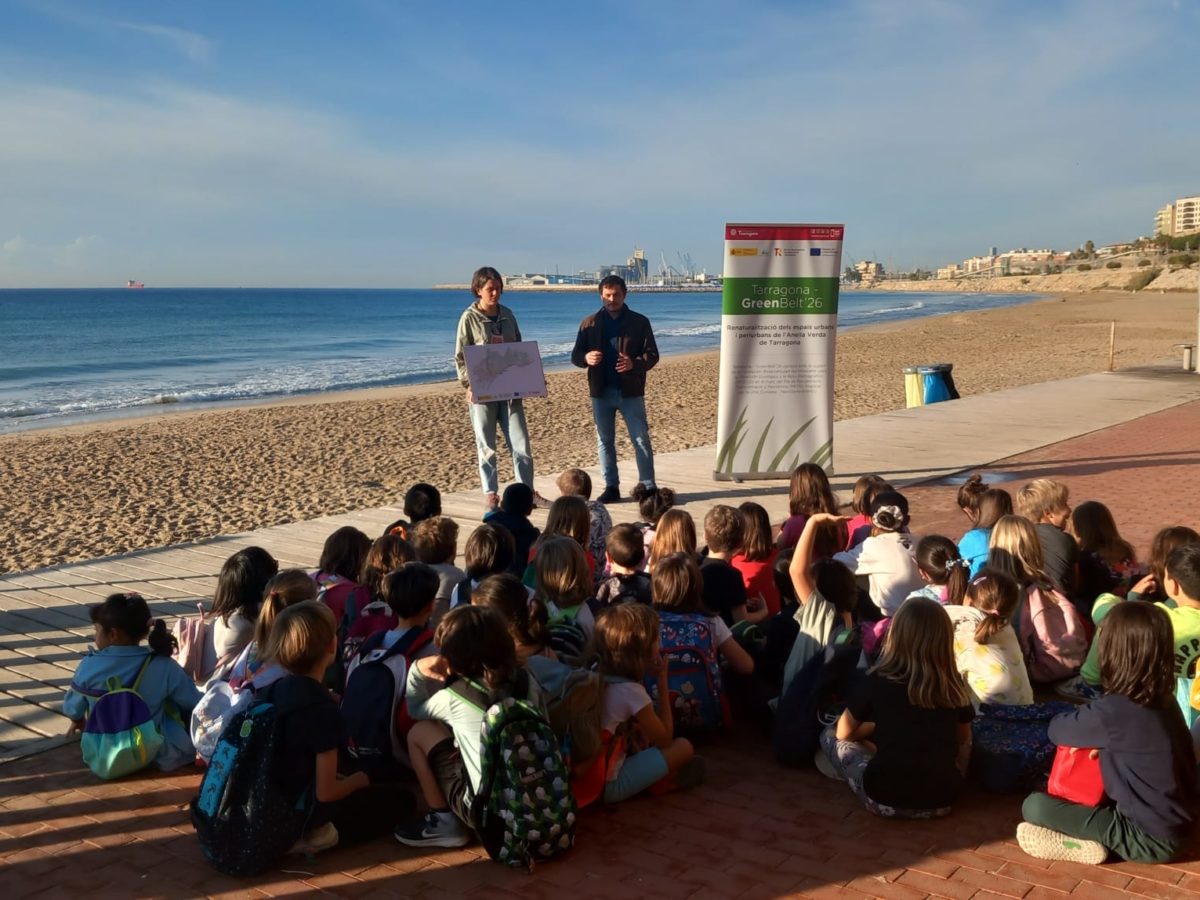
(134, 284)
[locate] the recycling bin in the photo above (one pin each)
(937, 383)
(914, 387)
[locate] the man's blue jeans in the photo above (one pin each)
(633, 411)
(510, 416)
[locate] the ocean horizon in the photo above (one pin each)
(111, 353)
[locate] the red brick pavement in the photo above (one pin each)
(753, 830)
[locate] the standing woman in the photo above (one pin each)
(487, 322)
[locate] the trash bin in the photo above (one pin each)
(937, 383)
(914, 388)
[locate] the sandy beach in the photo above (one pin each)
(84, 491)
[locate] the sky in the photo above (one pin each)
(378, 143)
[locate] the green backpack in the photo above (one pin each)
(524, 809)
(120, 736)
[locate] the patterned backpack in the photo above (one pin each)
(244, 821)
(524, 809)
(120, 736)
(693, 673)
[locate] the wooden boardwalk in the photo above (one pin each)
(44, 624)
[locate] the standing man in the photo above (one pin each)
(616, 346)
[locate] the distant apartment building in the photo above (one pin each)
(869, 270)
(1178, 218)
(954, 270)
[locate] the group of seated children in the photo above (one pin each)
(860, 646)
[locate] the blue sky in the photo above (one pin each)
(376, 143)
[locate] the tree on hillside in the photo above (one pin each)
(1090, 249)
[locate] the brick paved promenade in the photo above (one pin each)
(754, 830)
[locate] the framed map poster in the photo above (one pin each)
(505, 371)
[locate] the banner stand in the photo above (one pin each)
(778, 343)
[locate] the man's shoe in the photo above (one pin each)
(612, 494)
(1043, 843)
(491, 500)
(540, 502)
(435, 829)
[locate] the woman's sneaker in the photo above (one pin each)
(323, 838)
(1043, 843)
(434, 829)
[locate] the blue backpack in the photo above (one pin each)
(693, 673)
(243, 819)
(120, 736)
(1011, 749)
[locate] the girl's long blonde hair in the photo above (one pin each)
(676, 533)
(919, 653)
(1014, 548)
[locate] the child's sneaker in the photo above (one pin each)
(825, 766)
(1043, 843)
(435, 829)
(323, 838)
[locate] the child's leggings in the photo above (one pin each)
(638, 772)
(1104, 824)
(850, 759)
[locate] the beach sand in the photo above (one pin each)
(85, 491)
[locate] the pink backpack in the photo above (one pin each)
(371, 619)
(191, 633)
(1053, 635)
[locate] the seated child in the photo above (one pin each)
(676, 533)
(348, 808)
(234, 611)
(858, 527)
(986, 649)
(903, 743)
(724, 590)
(339, 569)
(808, 493)
(652, 503)
(489, 551)
(422, 501)
(435, 543)
(1107, 562)
(755, 560)
(942, 569)
(562, 582)
(677, 587)
(289, 587)
(1046, 504)
(624, 554)
(886, 557)
(444, 745)
(568, 517)
(577, 483)
(513, 514)
(1150, 586)
(1145, 753)
(121, 623)
(990, 507)
(627, 651)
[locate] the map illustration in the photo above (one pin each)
(505, 371)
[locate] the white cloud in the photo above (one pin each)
(191, 44)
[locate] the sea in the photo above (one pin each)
(79, 355)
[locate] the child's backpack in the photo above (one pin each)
(371, 619)
(693, 673)
(573, 704)
(243, 819)
(1053, 635)
(343, 596)
(220, 702)
(815, 697)
(191, 635)
(120, 736)
(373, 705)
(567, 639)
(1010, 748)
(524, 809)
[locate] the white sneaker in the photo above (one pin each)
(1043, 843)
(323, 838)
(825, 766)
(435, 829)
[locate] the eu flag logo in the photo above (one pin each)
(814, 251)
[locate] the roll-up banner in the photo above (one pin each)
(778, 335)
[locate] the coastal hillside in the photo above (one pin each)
(1100, 279)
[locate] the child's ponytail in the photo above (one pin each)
(161, 641)
(939, 559)
(287, 588)
(996, 594)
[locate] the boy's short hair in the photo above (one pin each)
(490, 549)
(301, 636)
(613, 281)
(476, 643)
(677, 584)
(723, 529)
(422, 501)
(1041, 496)
(435, 540)
(482, 276)
(517, 500)
(411, 589)
(625, 545)
(575, 483)
(1184, 566)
